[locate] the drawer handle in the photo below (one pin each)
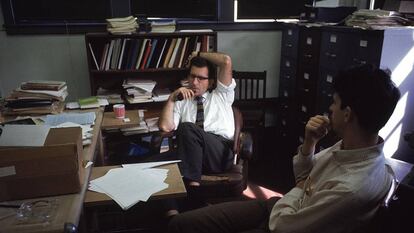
(289, 45)
(308, 55)
(332, 55)
(358, 61)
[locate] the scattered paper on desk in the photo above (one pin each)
(128, 186)
(87, 118)
(24, 135)
(150, 164)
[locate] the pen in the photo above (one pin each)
(9, 206)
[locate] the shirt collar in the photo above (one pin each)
(357, 154)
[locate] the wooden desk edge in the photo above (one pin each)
(173, 179)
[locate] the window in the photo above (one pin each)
(270, 9)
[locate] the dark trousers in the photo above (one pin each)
(201, 152)
(229, 217)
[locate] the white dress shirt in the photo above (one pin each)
(218, 114)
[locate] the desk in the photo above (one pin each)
(175, 188)
(110, 122)
(69, 206)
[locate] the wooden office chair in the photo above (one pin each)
(231, 183)
(250, 99)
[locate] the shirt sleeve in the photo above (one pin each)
(177, 113)
(226, 92)
(325, 211)
(302, 165)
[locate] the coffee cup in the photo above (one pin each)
(119, 110)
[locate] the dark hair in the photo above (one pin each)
(202, 62)
(370, 93)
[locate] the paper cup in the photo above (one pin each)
(119, 110)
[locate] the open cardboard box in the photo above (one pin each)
(54, 169)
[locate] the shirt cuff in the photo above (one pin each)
(223, 87)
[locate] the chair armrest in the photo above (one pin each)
(246, 146)
(157, 138)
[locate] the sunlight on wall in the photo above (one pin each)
(391, 144)
(404, 68)
(395, 118)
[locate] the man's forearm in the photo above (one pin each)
(223, 61)
(166, 122)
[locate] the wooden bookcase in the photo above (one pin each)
(114, 58)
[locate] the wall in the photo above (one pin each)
(63, 57)
(254, 51)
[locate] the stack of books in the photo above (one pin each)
(163, 26)
(37, 97)
(138, 90)
(377, 19)
(122, 26)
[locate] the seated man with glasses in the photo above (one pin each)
(202, 116)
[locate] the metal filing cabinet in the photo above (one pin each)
(287, 83)
(320, 53)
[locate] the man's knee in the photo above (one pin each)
(179, 223)
(185, 127)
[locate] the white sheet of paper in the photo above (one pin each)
(24, 135)
(128, 186)
(150, 164)
(87, 118)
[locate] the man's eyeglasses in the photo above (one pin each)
(199, 78)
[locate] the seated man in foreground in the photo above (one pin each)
(203, 118)
(338, 189)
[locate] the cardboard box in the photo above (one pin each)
(56, 168)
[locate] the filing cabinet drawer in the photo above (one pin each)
(286, 90)
(307, 78)
(288, 64)
(290, 39)
(366, 47)
(309, 41)
(334, 50)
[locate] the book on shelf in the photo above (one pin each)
(174, 54)
(141, 53)
(103, 58)
(134, 50)
(157, 53)
(93, 56)
(182, 52)
(109, 55)
(121, 55)
(89, 102)
(43, 85)
(146, 54)
(161, 55)
(151, 54)
(169, 52)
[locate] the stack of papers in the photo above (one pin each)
(138, 90)
(131, 183)
(37, 97)
(163, 26)
(376, 19)
(122, 26)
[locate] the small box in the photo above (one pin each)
(53, 169)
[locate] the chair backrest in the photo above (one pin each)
(238, 125)
(250, 85)
(381, 218)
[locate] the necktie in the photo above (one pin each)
(200, 112)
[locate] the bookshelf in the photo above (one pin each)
(151, 56)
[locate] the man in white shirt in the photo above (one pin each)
(338, 189)
(202, 116)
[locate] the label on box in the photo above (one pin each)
(7, 171)
(332, 39)
(363, 43)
